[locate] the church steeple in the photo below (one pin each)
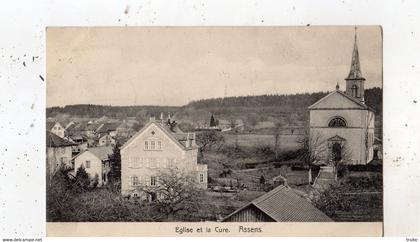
(355, 80)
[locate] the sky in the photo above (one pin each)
(127, 66)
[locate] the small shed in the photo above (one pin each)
(281, 204)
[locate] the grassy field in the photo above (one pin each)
(287, 142)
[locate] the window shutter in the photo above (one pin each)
(157, 163)
(129, 162)
(129, 181)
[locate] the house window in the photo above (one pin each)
(153, 181)
(201, 178)
(337, 122)
(63, 160)
(88, 164)
(146, 145)
(152, 145)
(159, 145)
(153, 163)
(170, 162)
(134, 181)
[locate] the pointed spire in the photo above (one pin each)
(355, 71)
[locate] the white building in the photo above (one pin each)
(96, 161)
(158, 147)
(343, 122)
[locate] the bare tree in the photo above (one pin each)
(277, 130)
(207, 139)
(313, 148)
(175, 191)
(339, 163)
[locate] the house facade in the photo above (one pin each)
(56, 128)
(106, 140)
(342, 124)
(153, 151)
(96, 161)
(59, 152)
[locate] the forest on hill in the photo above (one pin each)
(265, 107)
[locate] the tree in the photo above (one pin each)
(312, 148)
(59, 194)
(212, 121)
(277, 130)
(174, 192)
(262, 179)
(207, 139)
(115, 162)
(82, 179)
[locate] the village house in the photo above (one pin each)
(159, 146)
(59, 152)
(108, 128)
(124, 130)
(96, 161)
(105, 139)
(56, 128)
(343, 124)
(81, 141)
(282, 204)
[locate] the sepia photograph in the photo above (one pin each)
(214, 124)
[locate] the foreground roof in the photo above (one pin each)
(282, 204)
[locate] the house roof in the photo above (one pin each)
(107, 127)
(355, 101)
(175, 133)
(102, 152)
(54, 140)
(282, 204)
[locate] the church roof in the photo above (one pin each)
(355, 101)
(355, 70)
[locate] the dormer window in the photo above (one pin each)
(337, 122)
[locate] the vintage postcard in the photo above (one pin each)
(214, 131)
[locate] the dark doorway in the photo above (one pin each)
(336, 152)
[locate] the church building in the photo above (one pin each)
(341, 124)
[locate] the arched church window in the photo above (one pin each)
(354, 90)
(337, 122)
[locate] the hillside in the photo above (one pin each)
(290, 108)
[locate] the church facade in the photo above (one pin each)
(341, 126)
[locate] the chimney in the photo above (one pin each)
(169, 117)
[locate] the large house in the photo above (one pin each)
(282, 204)
(59, 152)
(158, 147)
(341, 124)
(56, 128)
(96, 161)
